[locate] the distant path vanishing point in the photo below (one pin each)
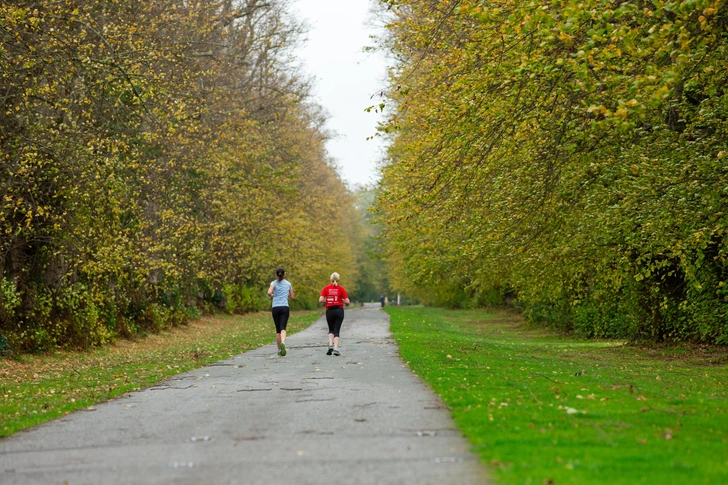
(307, 418)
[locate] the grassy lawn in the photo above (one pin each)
(545, 409)
(38, 388)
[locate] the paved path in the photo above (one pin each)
(307, 418)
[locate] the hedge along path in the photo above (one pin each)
(130, 148)
(38, 388)
(571, 152)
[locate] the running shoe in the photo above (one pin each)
(283, 349)
(329, 352)
(336, 352)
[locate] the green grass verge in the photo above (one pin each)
(38, 388)
(545, 409)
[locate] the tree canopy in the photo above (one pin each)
(160, 158)
(568, 154)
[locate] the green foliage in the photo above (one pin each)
(160, 160)
(372, 281)
(572, 151)
(539, 408)
(243, 299)
(9, 298)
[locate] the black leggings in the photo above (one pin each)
(335, 317)
(280, 317)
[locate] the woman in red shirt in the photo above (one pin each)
(335, 297)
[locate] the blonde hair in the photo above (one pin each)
(335, 278)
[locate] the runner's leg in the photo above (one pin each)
(338, 319)
(330, 322)
(277, 319)
(283, 323)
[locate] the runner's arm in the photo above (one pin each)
(346, 298)
(270, 291)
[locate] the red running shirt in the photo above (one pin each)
(334, 295)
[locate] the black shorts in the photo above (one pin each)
(335, 317)
(280, 317)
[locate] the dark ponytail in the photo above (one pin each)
(280, 273)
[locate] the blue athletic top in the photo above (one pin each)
(280, 292)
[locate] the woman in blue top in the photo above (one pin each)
(280, 291)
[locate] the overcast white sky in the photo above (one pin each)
(346, 78)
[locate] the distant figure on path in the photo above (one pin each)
(381, 299)
(280, 290)
(335, 297)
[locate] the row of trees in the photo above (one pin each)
(160, 158)
(570, 154)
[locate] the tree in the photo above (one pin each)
(571, 152)
(161, 158)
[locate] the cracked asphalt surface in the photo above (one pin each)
(306, 418)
